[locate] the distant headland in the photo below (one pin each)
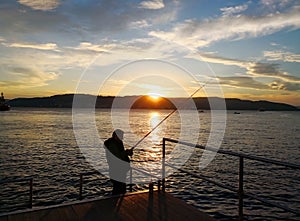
(143, 102)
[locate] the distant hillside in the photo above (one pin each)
(146, 102)
(143, 102)
(238, 104)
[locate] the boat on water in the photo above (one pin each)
(261, 109)
(3, 105)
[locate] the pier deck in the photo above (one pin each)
(132, 207)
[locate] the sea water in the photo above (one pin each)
(41, 143)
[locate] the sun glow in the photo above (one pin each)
(154, 96)
(154, 119)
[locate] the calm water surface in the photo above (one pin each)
(41, 143)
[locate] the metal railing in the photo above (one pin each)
(131, 184)
(81, 182)
(161, 181)
(240, 190)
(18, 180)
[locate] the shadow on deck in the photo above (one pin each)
(131, 207)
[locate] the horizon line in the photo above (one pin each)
(72, 94)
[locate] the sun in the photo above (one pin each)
(154, 96)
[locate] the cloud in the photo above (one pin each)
(277, 85)
(254, 69)
(47, 46)
(255, 72)
(81, 20)
(195, 34)
(281, 56)
(288, 86)
(27, 77)
(259, 69)
(154, 4)
(113, 51)
(228, 11)
(88, 46)
(242, 82)
(16, 23)
(276, 5)
(43, 5)
(58, 59)
(214, 58)
(139, 24)
(116, 16)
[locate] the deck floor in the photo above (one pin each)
(132, 207)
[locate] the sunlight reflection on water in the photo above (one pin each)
(155, 119)
(41, 143)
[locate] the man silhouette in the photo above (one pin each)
(118, 161)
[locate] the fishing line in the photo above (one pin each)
(166, 117)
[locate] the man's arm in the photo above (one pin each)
(129, 152)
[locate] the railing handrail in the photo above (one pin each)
(133, 168)
(240, 189)
(237, 154)
(81, 175)
(204, 178)
(22, 179)
(146, 173)
(16, 180)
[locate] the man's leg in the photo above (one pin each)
(118, 187)
(123, 188)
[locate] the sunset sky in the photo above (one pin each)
(250, 47)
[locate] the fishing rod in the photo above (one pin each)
(164, 119)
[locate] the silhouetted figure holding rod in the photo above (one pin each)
(2, 100)
(118, 161)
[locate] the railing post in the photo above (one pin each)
(30, 192)
(151, 187)
(163, 165)
(241, 188)
(158, 185)
(130, 180)
(80, 186)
